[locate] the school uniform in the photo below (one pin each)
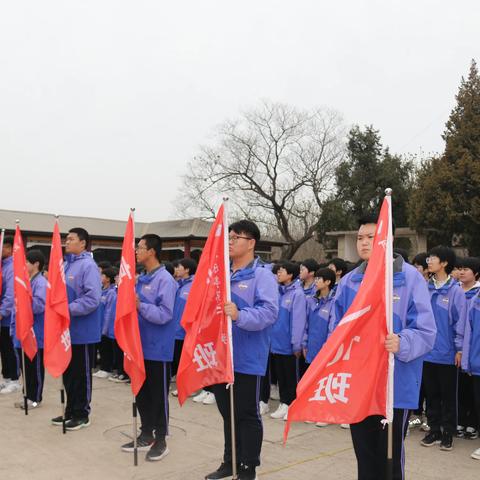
(83, 291)
(255, 293)
(10, 368)
(287, 336)
(34, 375)
(414, 323)
(440, 373)
(184, 286)
(156, 291)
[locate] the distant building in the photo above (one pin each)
(181, 238)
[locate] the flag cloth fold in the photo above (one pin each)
(57, 343)
(349, 378)
(127, 331)
(207, 349)
(22, 291)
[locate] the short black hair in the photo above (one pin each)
(473, 263)
(445, 254)
(310, 264)
(34, 256)
(292, 268)
(340, 265)
(8, 240)
(372, 218)
(247, 227)
(169, 268)
(190, 264)
(82, 235)
(110, 273)
(421, 260)
(327, 274)
(152, 240)
(403, 253)
(103, 265)
(276, 266)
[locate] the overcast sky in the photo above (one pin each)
(102, 103)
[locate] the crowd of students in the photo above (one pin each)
(282, 315)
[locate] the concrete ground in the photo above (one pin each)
(31, 448)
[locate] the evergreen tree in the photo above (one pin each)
(446, 198)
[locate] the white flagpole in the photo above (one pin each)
(389, 315)
(229, 324)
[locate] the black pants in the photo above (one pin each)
(370, 442)
(152, 399)
(476, 393)
(106, 354)
(441, 394)
(286, 367)
(467, 416)
(177, 353)
(34, 375)
(118, 358)
(248, 423)
(421, 400)
(77, 380)
(265, 382)
(7, 354)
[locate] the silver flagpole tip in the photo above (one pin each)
(132, 209)
(56, 215)
(225, 199)
(17, 221)
(388, 191)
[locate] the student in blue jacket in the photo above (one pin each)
(469, 271)
(184, 274)
(441, 364)
(10, 368)
(156, 290)
(84, 290)
(471, 354)
(34, 370)
(253, 310)
(307, 276)
(287, 336)
(413, 337)
(107, 312)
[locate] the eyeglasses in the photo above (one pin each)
(234, 239)
(140, 248)
(431, 259)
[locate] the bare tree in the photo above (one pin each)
(276, 164)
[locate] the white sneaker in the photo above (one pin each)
(308, 422)
(322, 424)
(102, 374)
(476, 454)
(174, 393)
(274, 394)
(200, 397)
(5, 382)
(13, 386)
(209, 399)
(263, 407)
(345, 426)
(31, 404)
(280, 412)
(285, 417)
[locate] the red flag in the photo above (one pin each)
(207, 350)
(347, 381)
(23, 298)
(57, 342)
(127, 332)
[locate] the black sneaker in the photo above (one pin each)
(143, 444)
(58, 421)
(432, 438)
(447, 442)
(157, 451)
(246, 472)
(222, 472)
(77, 423)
